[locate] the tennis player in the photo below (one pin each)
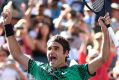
(57, 51)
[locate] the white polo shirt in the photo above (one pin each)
(8, 74)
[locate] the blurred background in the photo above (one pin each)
(36, 20)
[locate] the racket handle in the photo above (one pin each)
(113, 36)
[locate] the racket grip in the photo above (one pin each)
(113, 36)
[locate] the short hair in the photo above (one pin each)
(61, 40)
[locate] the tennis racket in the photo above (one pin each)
(96, 6)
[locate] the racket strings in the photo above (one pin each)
(98, 5)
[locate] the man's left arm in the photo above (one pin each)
(105, 47)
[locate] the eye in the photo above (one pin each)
(49, 48)
(56, 48)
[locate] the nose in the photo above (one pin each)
(50, 52)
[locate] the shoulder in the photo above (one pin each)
(82, 70)
(32, 64)
(79, 67)
(37, 63)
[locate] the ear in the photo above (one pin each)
(66, 53)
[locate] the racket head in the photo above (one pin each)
(95, 5)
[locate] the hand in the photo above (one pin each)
(7, 13)
(66, 10)
(31, 3)
(104, 21)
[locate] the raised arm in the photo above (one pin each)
(29, 10)
(105, 49)
(11, 40)
(61, 16)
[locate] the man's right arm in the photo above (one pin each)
(16, 51)
(11, 40)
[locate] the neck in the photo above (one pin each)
(60, 67)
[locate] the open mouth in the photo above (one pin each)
(52, 58)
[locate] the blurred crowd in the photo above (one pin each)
(36, 20)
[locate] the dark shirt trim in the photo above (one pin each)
(89, 72)
(29, 64)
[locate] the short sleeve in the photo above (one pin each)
(84, 72)
(38, 70)
(32, 66)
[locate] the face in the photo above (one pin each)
(45, 30)
(75, 29)
(56, 55)
(41, 9)
(3, 56)
(115, 14)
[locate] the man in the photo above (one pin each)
(8, 68)
(115, 16)
(57, 52)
